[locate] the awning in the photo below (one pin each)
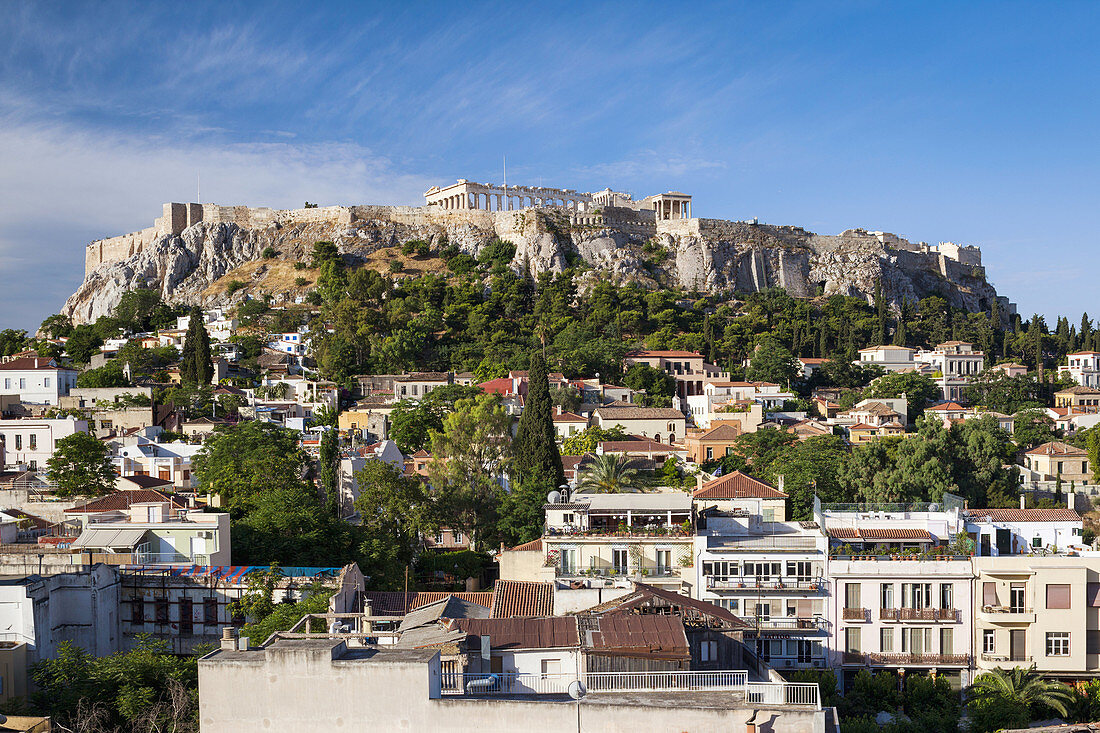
(108, 537)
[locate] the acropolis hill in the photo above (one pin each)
(193, 250)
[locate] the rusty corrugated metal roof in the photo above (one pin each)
(555, 632)
(640, 634)
(396, 603)
(522, 598)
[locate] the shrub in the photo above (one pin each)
(423, 249)
(300, 281)
(233, 286)
(408, 247)
(396, 266)
(300, 265)
(269, 253)
(461, 263)
(497, 252)
(313, 297)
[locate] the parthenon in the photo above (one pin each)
(489, 197)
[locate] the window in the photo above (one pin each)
(710, 453)
(851, 595)
(1016, 597)
(1036, 541)
(800, 570)
(7, 384)
(457, 535)
(18, 442)
(916, 640)
(708, 651)
(439, 538)
(886, 641)
(1057, 595)
(618, 560)
(947, 595)
(187, 617)
(568, 561)
(210, 611)
(46, 382)
(551, 667)
(989, 641)
(22, 383)
(1057, 643)
(32, 441)
(886, 595)
(947, 641)
(664, 562)
(851, 639)
(161, 608)
(916, 595)
(567, 518)
(137, 611)
(768, 515)
(762, 570)
(1092, 642)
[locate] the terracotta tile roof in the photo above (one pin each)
(870, 534)
(633, 412)
(122, 500)
(555, 632)
(811, 360)
(636, 446)
(886, 346)
(945, 406)
(532, 546)
(653, 635)
(522, 598)
(396, 603)
(1084, 353)
(722, 432)
(675, 354)
(1061, 514)
(1057, 448)
(1078, 389)
(421, 454)
(24, 363)
(737, 485)
(569, 417)
(876, 408)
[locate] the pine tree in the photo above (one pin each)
(196, 366)
(535, 446)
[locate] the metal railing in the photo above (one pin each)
(808, 544)
(783, 693)
(854, 614)
(917, 614)
(990, 657)
(728, 582)
(557, 683)
(785, 623)
(905, 658)
(665, 681)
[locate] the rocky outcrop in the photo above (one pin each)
(699, 254)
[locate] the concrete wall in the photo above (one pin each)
(306, 689)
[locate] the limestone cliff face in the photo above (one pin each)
(194, 266)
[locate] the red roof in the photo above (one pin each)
(24, 363)
(637, 446)
(532, 546)
(675, 354)
(951, 406)
(1061, 514)
(1057, 448)
(737, 485)
(121, 500)
(555, 632)
(522, 598)
(569, 417)
(502, 386)
(879, 534)
(628, 632)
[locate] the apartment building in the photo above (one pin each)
(1083, 367)
(887, 358)
(690, 370)
(37, 380)
(32, 442)
(1054, 460)
(168, 461)
(956, 362)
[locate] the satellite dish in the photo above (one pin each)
(577, 690)
(553, 497)
(934, 507)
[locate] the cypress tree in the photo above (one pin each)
(196, 365)
(329, 460)
(535, 446)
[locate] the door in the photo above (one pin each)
(618, 561)
(1004, 541)
(1017, 639)
(985, 546)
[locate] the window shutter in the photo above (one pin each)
(1092, 595)
(989, 594)
(1057, 595)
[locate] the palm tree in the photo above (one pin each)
(611, 473)
(1022, 687)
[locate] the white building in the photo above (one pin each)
(32, 442)
(1024, 531)
(957, 362)
(36, 380)
(219, 325)
(662, 424)
(167, 461)
(1083, 367)
(294, 343)
(888, 358)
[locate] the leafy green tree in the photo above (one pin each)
(772, 362)
(610, 473)
(590, 438)
(809, 467)
(469, 458)
(918, 390)
(843, 373)
(1032, 428)
(264, 616)
(1003, 698)
(998, 391)
(81, 466)
(659, 387)
(108, 375)
(535, 447)
(56, 326)
(567, 398)
(83, 343)
(243, 462)
(143, 310)
(196, 364)
(395, 510)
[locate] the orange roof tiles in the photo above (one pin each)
(532, 546)
(522, 598)
(1057, 448)
(880, 534)
(737, 485)
(1061, 514)
(121, 500)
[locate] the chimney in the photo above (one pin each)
(242, 644)
(779, 482)
(229, 639)
(1023, 501)
(699, 480)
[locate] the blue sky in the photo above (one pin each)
(969, 122)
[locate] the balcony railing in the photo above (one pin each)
(905, 659)
(754, 544)
(990, 657)
(918, 614)
(855, 614)
(627, 532)
(735, 582)
(735, 681)
(785, 623)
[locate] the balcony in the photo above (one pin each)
(750, 583)
(1006, 615)
(861, 615)
(571, 533)
(786, 623)
(872, 659)
(1002, 658)
(949, 615)
(497, 684)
